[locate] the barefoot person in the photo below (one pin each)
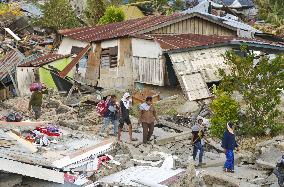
(125, 105)
(229, 144)
(147, 118)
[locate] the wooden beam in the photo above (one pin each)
(24, 142)
(31, 171)
(174, 138)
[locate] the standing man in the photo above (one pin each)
(229, 144)
(111, 115)
(197, 139)
(147, 118)
(36, 100)
(125, 105)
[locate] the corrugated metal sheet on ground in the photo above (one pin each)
(9, 62)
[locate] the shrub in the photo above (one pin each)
(224, 109)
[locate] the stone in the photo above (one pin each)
(63, 109)
(52, 103)
(152, 158)
(72, 124)
(188, 107)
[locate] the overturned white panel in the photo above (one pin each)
(31, 171)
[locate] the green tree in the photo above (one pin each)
(112, 15)
(272, 11)
(178, 5)
(224, 109)
(94, 11)
(57, 14)
(259, 81)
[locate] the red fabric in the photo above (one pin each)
(102, 107)
(69, 178)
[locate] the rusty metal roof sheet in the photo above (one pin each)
(42, 60)
(186, 41)
(115, 30)
(9, 62)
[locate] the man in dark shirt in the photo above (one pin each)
(197, 140)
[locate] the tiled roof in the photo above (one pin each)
(45, 59)
(115, 30)
(183, 41)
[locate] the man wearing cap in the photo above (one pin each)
(198, 132)
(147, 118)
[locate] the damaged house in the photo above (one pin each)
(181, 49)
(43, 67)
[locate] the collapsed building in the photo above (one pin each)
(182, 49)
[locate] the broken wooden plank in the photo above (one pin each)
(31, 171)
(174, 138)
(23, 142)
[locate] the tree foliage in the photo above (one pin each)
(57, 14)
(224, 109)
(272, 11)
(259, 81)
(94, 11)
(112, 14)
(10, 10)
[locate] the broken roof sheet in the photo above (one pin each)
(42, 60)
(115, 30)
(10, 61)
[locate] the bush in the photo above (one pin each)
(224, 109)
(259, 80)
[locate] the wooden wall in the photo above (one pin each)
(194, 25)
(93, 64)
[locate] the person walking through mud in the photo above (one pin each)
(125, 105)
(229, 144)
(147, 118)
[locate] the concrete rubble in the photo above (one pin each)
(80, 157)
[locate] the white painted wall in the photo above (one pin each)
(25, 76)
(145, 48)
(67, 44)
(109, 43)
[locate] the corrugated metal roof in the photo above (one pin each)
(186, 41)
(42, 60)
(9, 62)
(115, 30)
(183, 41)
